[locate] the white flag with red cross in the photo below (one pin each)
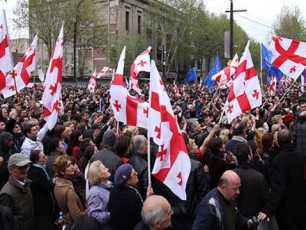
(92, 82)
(172, 164)
(127, 109)
(176, 90)
(104, 71)
(19, 77)
(245, 93)
(224, 77)
(141, 63)
(272, 86)
(6, 59)
(288, 55)
(53, 83)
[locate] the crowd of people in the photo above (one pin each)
(88, 172)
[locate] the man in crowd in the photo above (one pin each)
(31, 141)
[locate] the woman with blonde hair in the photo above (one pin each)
(64, 193)
(98, 195)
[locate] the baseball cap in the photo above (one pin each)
(18, 159)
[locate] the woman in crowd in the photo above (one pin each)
(64, 193)
(98, 195)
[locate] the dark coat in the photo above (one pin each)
(253, 191)
(109, 159)
(125, 207)
(7, 221)
(140, 164)
(5, 153)
(288, 188)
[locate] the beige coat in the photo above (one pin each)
(67, 200)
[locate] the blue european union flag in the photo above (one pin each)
(268, 80)
(216, 68)
(266, 57)
(191, 75)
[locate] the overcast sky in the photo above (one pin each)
(257, 21)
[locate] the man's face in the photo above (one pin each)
(23, 113)
(33, 133)
(19, 173)
(231, 191)
(303, 107)
(165, 222)
(2, 126)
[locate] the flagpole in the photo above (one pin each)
(287, 91)
(213, 97)
(148, 136)
(261, 67)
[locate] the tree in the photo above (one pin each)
(290, 24)
(46, 18)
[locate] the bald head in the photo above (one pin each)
(229, 185)
(156, 212)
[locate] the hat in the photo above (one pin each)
(109, 138)
(122, 174)
(18, 159)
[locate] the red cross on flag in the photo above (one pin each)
(288, 55)
(176, 90)
(272, 87)
(141, 63)
(127, 109)
(92, 82)
(172, 164)
(20, 75)
(53, 83)
(104, 71)
(245, 93)
(6, 60)
(224, 77)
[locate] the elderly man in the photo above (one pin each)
(218, 209)
(16, 193)
(156, 214)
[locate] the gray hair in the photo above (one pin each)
(149, 217)
(138, 141)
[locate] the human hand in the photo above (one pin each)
(149, 190)
(262, 216)
(250, 223)
(206, 169)
(1, 160)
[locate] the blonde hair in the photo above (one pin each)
(275, 128)
(224, 135)
(94, 173)
(275, 119)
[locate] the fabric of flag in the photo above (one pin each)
(127, 109)
(172, 164)
(215, 69)
(176, 90)
(272, 86)
(303, 80)
(288, 55)
(224, 77)
(104, 71)
(245, 93)
(53, 83)
(6, 59)
(19, 77)
(266, 57)
(268, 80)
(141, 63)
(92, 82)
(280, 85)
(191, 75)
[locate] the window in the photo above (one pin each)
(127, 20)
(139, 24)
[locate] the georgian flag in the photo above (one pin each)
(224, 77)
(127, 109)
(6, 59)
(53, 84)
(288, 55)
(172, 164)
(272, 86)
(141, 63)
(104, 71)
(92, 82)
(245, 93)
(20, 75)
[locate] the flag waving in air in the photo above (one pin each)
(127, 109)
(6, 60)
(288, 55)
(172, 164)
(214, 69)
(53, 83)
(224, 77)
(266, 57)
(141, 63)
(104, 71)
(191, 75)
(245, 93)
(272, 86)
(92, 82)
(20, 75)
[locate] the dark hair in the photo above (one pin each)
(53, 144)
(302, 101)
(73, 141)
(89, 151)
(27, 128)
(238, 129)
(58, 130)
(214, 145)
(34, 156)
(267, 141)
(86, 222)
(122, 145)
(284, 137)
(253, 145)
(242, 152)
(85, 143)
